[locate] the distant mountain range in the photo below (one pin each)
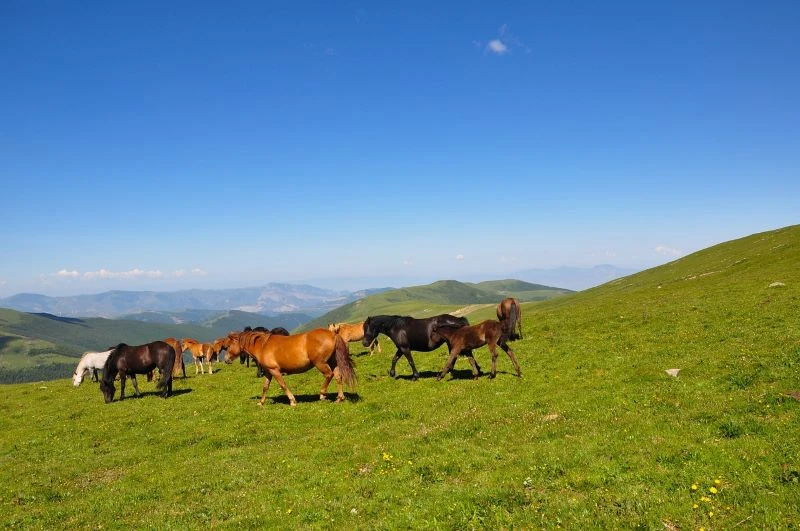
(271, 299)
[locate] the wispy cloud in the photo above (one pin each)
(133, 273)
(408, 262)
(668, 251)
(504, 43)
(459, 257)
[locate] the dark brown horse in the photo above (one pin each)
(491, 333)
(509, 309)
(280, 355)
(127, 360)
(409, 334)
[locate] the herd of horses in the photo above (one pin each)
(277, 353)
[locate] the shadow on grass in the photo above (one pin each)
(175, 393)
(305, 399)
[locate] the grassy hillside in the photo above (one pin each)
(595, 435)
(439, 297)
(35, 347)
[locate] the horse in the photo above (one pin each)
(509, 308)
(141, 359)
(200, 352)
(90, 361)
(408, 333)
(280, 355)
(490, 332)
(353, 332)
(180, 366)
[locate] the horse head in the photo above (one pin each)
(77, 377)
(231, 346)
(369, 332)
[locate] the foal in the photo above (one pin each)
(491, 333)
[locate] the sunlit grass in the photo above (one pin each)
(596, 434)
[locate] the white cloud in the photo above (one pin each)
(198, 272)
(504, 43)
(459, 257)
(668, 251)
(67, 274)
(497, 46)
(408, 262)
(133, 273)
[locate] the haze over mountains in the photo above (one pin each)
(269, 299)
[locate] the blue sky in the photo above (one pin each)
(174, 145)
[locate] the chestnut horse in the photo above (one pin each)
(280, 355)
(510, 309)
(200, 352)
(490, 332)
(408, 333)
(353, 332)
(180, 366)
(129, 360)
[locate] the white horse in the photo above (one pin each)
(90, 361)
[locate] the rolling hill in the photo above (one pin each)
(439, 297)
(669, 399)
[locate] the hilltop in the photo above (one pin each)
(439, 297)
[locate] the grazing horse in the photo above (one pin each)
(491, 333)
(200, 352)
(280, 355)
(129, 360)
(408, 333)
(353, 332)
(90, 361)
(180, 366)
(509, 309)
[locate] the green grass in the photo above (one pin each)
(596, 434)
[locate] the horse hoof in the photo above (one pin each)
(293, 404)
(491, 376)
(339, 399)
(323, 398)
(415, 377)
(391, 373)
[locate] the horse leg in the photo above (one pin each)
(394, 362)
(208, 360)
(267, 381)
(326, 370)
(135, 385)
(414, 373)
(276, 373)
(122, 377)
(476, 369)
(94, 375)
(493, 350)
(448, 365)
(513, 358)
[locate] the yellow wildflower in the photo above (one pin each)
(713, 490)
(694, 486)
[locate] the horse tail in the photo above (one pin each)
(166, 368)
(345, 363)
(510, 324)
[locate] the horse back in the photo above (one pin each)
(297, 353)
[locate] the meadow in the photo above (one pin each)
(595, 435)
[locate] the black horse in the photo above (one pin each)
(409, 334)
(129, 360)
(244, 357)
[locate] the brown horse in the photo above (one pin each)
(351, 332)
(509, 309)
(200, 352)
(180, 366)
(491, 333)
(280, 355)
